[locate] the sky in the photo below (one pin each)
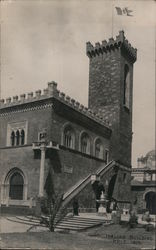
(45, 40)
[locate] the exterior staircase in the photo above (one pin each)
(75, 223)
(63, 222)
(76, 189)
(78, 223)
(80, 185)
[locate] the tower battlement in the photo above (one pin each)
(106, 46)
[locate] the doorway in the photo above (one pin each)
(150, 199)
(16, 186)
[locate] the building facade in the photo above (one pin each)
(144, 183)
(77, 140)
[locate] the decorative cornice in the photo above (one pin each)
(25, 109)
(119, 42)
(34, 103)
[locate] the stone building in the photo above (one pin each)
(144, 183)
(50, 136)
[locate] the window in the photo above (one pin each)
(85, 143)
(126, 100)
(22, 137)
(17, 138)
(107, 155)
(69, 137)
(17, 134)
(98, 149)
(16, 186)
(12, 138)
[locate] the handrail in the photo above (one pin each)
(85, 181)
(75, 186)
(98, 172)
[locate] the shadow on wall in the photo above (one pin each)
(55, 161)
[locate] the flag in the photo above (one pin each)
(125, 11)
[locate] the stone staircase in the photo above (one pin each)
(80, 185)
(76, 189)
(74, 223)
(78, 223)
(62, 222)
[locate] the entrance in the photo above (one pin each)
(150, 199)
(16, 187)
(110, 191)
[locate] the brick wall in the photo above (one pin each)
(22, 158)
(106, 94)
(37, 121)
(58, 123)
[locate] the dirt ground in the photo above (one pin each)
(112, 237)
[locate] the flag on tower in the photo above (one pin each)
(123, 11)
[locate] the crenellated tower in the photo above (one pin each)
(111, 90)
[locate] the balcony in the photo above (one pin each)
(48, 145)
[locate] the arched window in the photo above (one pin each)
(98, 149)
(16, 186)
(85, 143)
(22, 137)
(69, 137)
(126, 100)
(12, 138)
(17, 137)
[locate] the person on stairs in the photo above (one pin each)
(75, 207)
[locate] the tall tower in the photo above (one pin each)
(110, 90)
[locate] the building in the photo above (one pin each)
(144, 183)
(50, 136)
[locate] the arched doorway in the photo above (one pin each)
(16, 186)
(150, 199)
(98, 188)
(110, 191)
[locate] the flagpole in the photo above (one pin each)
(112, 18)
(1, 58)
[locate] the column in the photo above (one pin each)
(42, 166)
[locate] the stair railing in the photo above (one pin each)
(78, 187)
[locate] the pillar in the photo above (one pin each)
(42, 167)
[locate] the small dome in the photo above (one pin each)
(151, 155)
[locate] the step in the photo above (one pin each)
(22, 222)
(79, 222)
(27, 219)
(83, 219)
(76, 227)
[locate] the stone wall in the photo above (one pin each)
(106, 91)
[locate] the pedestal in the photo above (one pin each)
(102, 210)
